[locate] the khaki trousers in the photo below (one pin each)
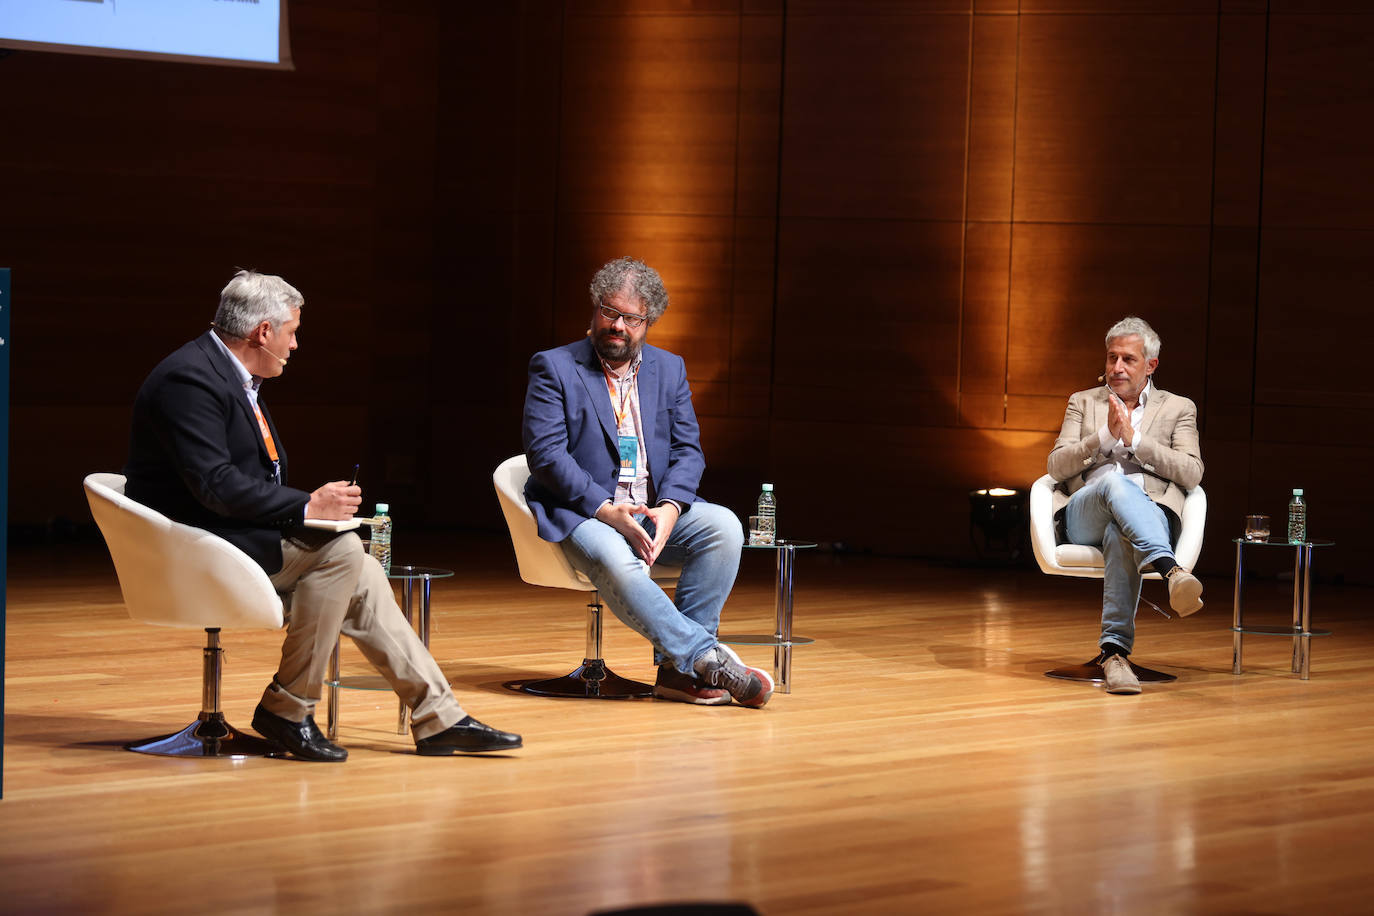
(337, 588)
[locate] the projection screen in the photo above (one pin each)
(250, 33)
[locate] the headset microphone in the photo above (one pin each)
(279, 359)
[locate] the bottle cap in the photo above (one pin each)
(1297, 491)
(383, 508)
(768, 488)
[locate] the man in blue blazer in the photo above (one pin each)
(204, 451)
(615, 459)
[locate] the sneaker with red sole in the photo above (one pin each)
(721, 667)
(672, 684)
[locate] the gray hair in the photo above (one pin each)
(251, 298)
(642, 279)
(1131, 326)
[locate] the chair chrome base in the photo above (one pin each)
(591, 680)
(209, 736)
(1092, 671)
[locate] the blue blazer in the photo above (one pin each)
(196, 454)
(570, 439)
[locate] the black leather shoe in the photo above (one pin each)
(303, 739)
(467, 737)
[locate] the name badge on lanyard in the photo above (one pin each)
(628, 445)
(629, 458)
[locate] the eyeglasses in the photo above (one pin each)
(631, 321)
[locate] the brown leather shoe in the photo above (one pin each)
(1116, 671)
(1185, 592)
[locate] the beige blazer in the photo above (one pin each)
(1168, 451)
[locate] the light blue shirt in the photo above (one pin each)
(250, 384)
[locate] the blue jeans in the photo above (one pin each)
(705, 542)
(1113, 513)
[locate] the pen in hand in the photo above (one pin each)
(354, 481)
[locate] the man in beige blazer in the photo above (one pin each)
(1125, 458)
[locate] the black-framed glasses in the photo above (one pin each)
(631, 321)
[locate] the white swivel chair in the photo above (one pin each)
(543, 563)
(1085, 562)
(179, 576)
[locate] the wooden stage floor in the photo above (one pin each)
(922, 762)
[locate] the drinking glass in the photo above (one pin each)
(1257, 527)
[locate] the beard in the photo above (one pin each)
(614, 350)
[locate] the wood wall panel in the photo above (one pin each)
(1315, 286)
(615, 9)
(1239, 121)
(1335, 510)
(650, 118)
(1038, 411)
(1230, 388)
(983, 328)
(751, 317)
(875, 7)
(898, 224)
(869, 308)
(992, 117)
(498, 147)
(760, 112)
(1071, 283)
(1118, 6)
(1230, 497)
(1317, 143)
(1317, 6)
(874, 115)
(945, 463)
(1114, 119)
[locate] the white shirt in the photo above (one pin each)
(1120, 458)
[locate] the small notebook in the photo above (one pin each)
(342, 524)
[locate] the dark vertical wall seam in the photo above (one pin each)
(1011, 215)
(777, 207)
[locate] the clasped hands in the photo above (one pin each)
(336, 500)
(1119, 420)
(622, 519)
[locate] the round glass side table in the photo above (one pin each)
(408, 576)
(1301, 631)
(782, 640)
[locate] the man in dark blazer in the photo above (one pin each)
(1126, 456)
(615, 459)
(204, 451)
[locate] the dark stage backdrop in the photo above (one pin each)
(893, 232)
(6, 302)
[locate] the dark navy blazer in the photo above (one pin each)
(570, 435)
(197, 456)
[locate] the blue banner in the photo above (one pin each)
(4, 491)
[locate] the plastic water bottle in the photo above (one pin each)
(381, 537)
(768, 514)
(1297, 518)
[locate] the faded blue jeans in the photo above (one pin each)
(705, 542)
(1112, 513)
